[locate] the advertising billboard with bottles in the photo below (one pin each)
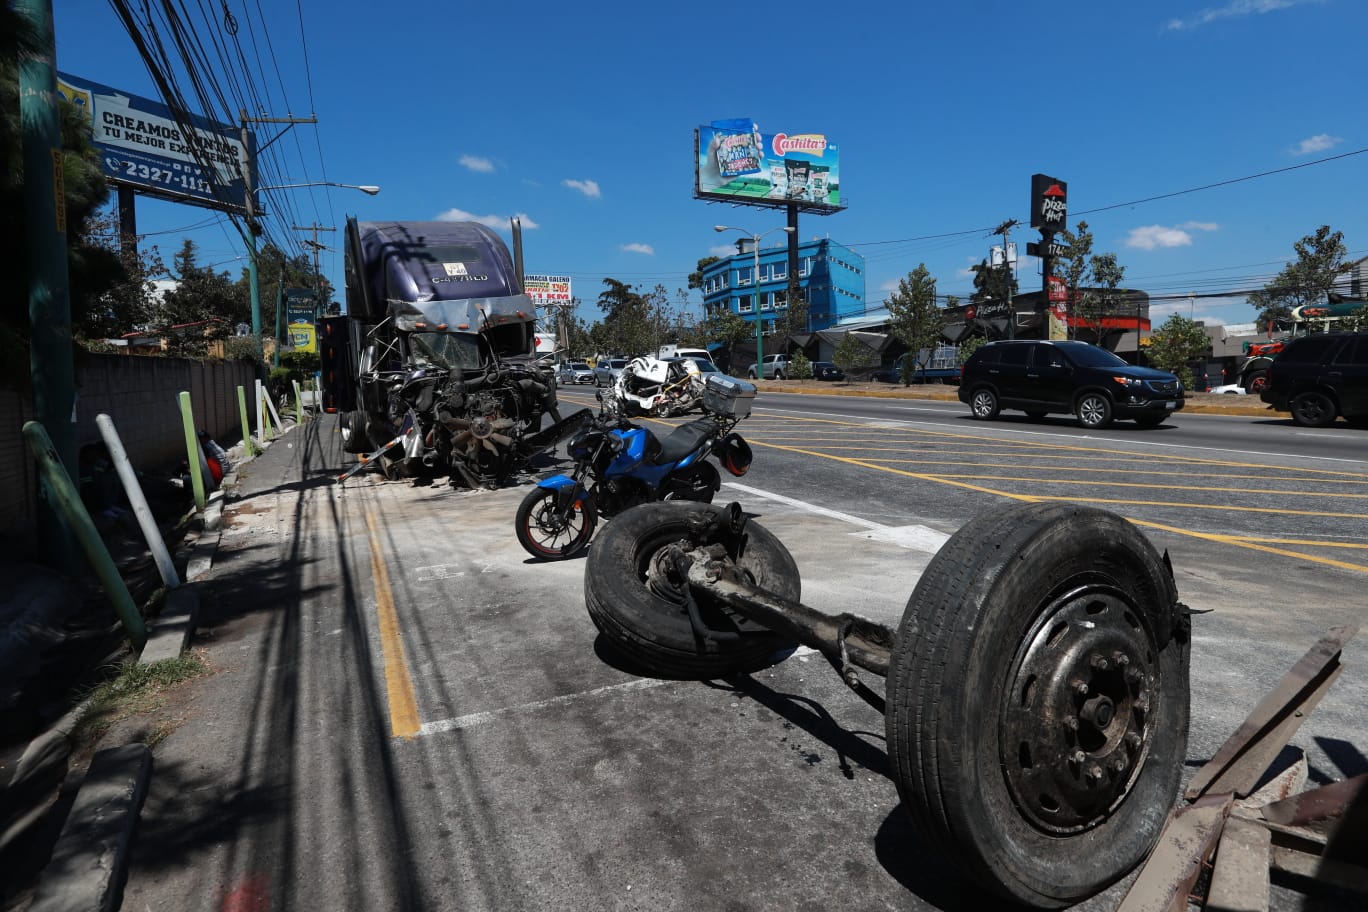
(734, 162)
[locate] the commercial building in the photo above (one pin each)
(831, 278)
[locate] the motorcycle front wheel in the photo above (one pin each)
(551, 530)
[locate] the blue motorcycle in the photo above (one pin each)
(619, 465)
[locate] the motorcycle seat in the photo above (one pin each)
(682, 441)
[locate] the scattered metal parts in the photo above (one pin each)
(1246, 756)
(1186, 842)
(1239, 880)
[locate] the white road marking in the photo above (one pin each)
(914, 538)
(482, 718)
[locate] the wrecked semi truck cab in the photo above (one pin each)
(436, 367)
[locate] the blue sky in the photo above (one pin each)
(579, 118)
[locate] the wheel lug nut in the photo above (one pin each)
(1079, 686)
(1120, 658)
(1132, 742)
(1071, 723)
(1119, 764)
(1100, 663)
(1094, 774)
(1134, 674)
(1077, 758)
(1142, 703)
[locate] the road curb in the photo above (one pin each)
(89, 862)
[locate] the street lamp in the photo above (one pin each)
(250, 200)
(369, 190)
(755, 282)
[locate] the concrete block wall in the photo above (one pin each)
(141, 395)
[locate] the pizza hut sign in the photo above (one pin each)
(1049, 203)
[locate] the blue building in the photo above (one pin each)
(831, 276)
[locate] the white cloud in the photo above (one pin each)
(1232, 10)
(1151, 237)
(477, 163)
(723, 250)
(587, 187)
(638, 248)
(890, 286)
(1318, 143)
(497, 222)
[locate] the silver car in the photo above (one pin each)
(575, 372)
(606, 371)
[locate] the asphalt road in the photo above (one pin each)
(410, 713)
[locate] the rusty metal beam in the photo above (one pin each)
(1326, 802)
(1243, 759)
(1186, 842)
(867, 643)
(1326, 871)
(1239, 880)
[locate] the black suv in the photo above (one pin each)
(1321, 376)
(1072, 378)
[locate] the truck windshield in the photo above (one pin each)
(446, 350)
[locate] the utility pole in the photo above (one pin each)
(51, 363)
(1005, 229)
(253, 228)
(316, 247)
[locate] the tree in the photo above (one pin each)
(1074, 264)
(800, 368)
(633, 322)
(1090, 305)
(696, 277)
(1320, 262)
(1176, 345)
(991, 283)
(914, 318)
(851, 354)
(205, 302)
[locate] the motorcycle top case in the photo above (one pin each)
(728, 396)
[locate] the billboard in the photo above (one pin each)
(142, 145)
(1049, 203)
(303, 337)
(734, 162)
(300, 305)
(547, 289)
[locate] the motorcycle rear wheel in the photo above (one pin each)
(547, 531)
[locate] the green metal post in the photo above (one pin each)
(280, 305)
(247, 447)
(192, 450)
(68, 500)
(51, 364)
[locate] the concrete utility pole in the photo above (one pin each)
(1005, 229)
(51, 364)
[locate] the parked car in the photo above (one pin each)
(1077, 378)
(825, 370)
(575, 372)
(776, 367)
(606, 371)
(926, 369)
(1229, 389)
(1320, 377)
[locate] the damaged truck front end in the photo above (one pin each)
(438, 373)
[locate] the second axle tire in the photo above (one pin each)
(1038, 701)
(644, 615)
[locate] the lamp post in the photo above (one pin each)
(755, 283)
(252, 233)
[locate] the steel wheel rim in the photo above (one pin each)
(1077, 718)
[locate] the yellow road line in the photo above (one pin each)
(1165, 487)
(1129, 472)
(1027, 498)
(403, 703)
